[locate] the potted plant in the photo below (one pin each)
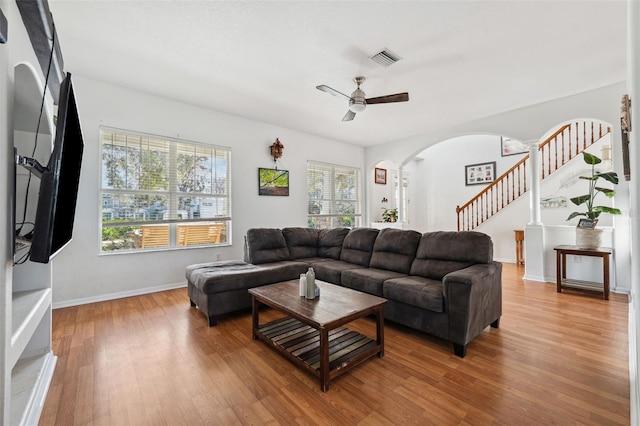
(389, 215)
(586, 234)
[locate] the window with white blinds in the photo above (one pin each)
(333, 196)
(158, 192)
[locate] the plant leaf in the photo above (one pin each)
(575, 214)
(605, 209)
(590, 158)
(608, 176)
(606, 191)
(612, 177)
(580, 200)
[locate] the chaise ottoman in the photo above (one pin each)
(218, 288)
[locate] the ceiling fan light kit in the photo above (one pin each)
(358, 100)
(356, 106)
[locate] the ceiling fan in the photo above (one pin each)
(357, 100)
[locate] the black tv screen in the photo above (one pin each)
(53, 227)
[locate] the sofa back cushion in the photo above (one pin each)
(395, 250)
(358, 245)
(302, 242)
(266, 245)
(330, 242)
(442, 252)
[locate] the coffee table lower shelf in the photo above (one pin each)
(301, 344)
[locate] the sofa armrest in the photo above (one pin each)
(473, 300)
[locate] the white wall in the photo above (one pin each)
(525, 124)
(81, 274)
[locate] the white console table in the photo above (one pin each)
(382, 225)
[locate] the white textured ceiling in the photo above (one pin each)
(462, 60)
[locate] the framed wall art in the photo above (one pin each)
(478, 174)
(625, 127)
(553, 202)
(381, 176)
(626, 165)
(510, 146)
(273, 182)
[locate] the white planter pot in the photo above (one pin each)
(588, 238)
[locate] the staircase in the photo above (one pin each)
(557, 150)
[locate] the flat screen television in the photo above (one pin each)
(59, 180)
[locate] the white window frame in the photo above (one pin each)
(331, 201)
(174, 218)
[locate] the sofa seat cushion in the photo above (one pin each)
(416, 291)
(368, 280)
(214, 278)
(212, 266)
(330, 270)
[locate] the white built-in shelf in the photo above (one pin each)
(28, 309)
(30, 379)
(25, 342)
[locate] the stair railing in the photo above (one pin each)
(557, 150)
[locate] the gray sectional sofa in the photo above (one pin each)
(442, 283)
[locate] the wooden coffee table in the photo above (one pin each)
(311, 335)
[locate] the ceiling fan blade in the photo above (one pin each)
(398, 97)
(349, 116)
(333, 92)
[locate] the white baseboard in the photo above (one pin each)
(117, 295)
(531, 277)
(633, 366)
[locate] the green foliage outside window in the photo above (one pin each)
(117, 238)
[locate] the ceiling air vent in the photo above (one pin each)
(385, 58)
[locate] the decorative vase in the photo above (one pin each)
(303, 285)
(588, 238)
(311, 284)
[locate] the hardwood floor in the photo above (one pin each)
(152, 360)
